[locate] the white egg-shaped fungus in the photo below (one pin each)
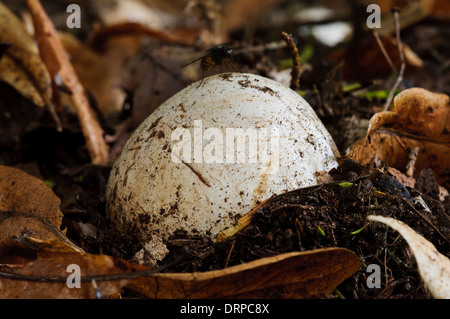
(212, 152)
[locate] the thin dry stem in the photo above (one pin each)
(383, 50)
(296, 67)
(402, 59)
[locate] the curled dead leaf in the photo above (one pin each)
(423, 113)
(104, 34)
(21, 65)
(419, 118)
(380, 119)
(392, 148)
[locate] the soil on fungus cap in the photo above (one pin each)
(211, 153)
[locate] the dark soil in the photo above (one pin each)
(333, 215)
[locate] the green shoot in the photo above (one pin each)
(356, 232)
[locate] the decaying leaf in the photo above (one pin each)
(97, 73)
(13, 74)
(102, 35)
(419, 118)
(50, 275)
(434, 267)
(23, 193)
(155, 74)
(291, 275)
(366, 60)
(380, 119)
(38, 216)
(423, 113)
(34, 251)
(21, 65)
(13, 226)
(155, 14)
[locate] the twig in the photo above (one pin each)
(383, 50)
(423, 218)
(276, 45)
(106, 277)
(296, 67)
(229, 253)
(402, 59)
(55, 58)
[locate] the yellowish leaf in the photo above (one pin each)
(21, 66)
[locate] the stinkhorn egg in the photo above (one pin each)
(212, 152)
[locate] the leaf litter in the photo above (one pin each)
(333, 215)
(307, 223)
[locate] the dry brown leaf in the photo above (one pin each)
(366, 60)
(23, 193)
(402, 178)
(434, 267)
(291, 275)
(102, 35)
(13, 73)
(97, 73)
(241, 14)
(423, 113)
(47, 276)
(28, 207)
(21, 65)
(55, 58)
(31, 244)
(392, 147)
(422, 120)
(379, 119)
(13, 226)
(180, 21)
(155, 74)
(155, 14)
